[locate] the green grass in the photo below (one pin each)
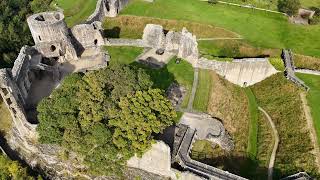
(76, 11)
(202, 96)
(277, 63)
(310, 3)
(281, 99)
(313, 97)
(253, 125)
(261, 29)
(123, 54)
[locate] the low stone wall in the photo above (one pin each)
(125, 42)
(307, 71)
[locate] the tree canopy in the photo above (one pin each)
(12, 169)
(106, 116)
(14, 31)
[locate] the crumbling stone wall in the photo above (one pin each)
(88, 35)
(107, 8)
(51, 35)
(184, 44)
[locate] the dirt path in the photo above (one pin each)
(194, 89)
(275, 146)
(313, 134)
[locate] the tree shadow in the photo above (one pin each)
(161, 77)
(112, 33)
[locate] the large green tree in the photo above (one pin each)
(105, 116)
(12, 169)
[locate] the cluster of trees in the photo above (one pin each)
(105, 116)
(14, 31)
(12, 169)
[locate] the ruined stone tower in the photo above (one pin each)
(51, 35)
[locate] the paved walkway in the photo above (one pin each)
(275, 146)
(194, 88)
(313, 134)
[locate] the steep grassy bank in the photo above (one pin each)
(280, 98)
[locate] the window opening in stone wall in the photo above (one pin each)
(95, 41)
(9, 102)
(53, 48)
(107, 6)
(5, 91)
(40, 18)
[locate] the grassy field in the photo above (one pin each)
(313, 97)
(202, 96)
(261, 29)
(267, 4)
(5, 118)
(123, 54)
(281, 99)
(76, 11)
(133, 26)
(253, 125)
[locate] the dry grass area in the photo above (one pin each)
(5, 118)
(229, 103)
(280, 98)
(308, 62)
(133, 26)
(234, 49)
(265, 140)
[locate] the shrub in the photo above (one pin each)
(290, 7)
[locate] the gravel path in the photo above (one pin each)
(194, 89)
(313, 134)
(275, 146)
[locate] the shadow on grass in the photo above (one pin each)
(112, 33)
(161, 77)
(241, 165)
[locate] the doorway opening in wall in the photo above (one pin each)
(96, 42)
(107, 5)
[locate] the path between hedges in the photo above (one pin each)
(275, 146)
(313, 134)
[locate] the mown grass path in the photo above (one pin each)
(253, 125)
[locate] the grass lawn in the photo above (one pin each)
(133, 26)
(202, 96)
(253, 125)
(5, 118)
(281, 99)
(261, 29)
(123, 54)
(310, 3)
(313, 97)
(76, 11)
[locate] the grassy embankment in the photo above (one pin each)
(76, 11)
(260, 29)
(313, 98)
(281, 99)
(306, 62)
(202, 95)
(162, 78)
